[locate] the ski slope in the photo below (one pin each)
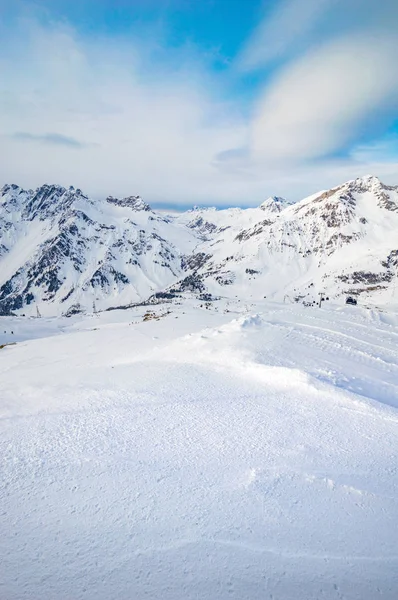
(242, 452)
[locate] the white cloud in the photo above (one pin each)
(136, 129)
(316, 104)
(294, 26)
(290, 21)
(383, 150)
(298, 181)
(121, 117)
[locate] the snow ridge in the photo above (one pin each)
(67, 253)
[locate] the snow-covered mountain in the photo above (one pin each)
(337, 242)
(65, 253)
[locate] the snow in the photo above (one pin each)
(63, 252)
(316, 245)
(29, 237)
(75, 251)
(244, 451)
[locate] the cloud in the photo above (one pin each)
(320, 103)
(290, 22)
(56, 139)
(295, 26)
(384, 150)
(148, 126)
(337, 84)
(119, 116)
(334, 84)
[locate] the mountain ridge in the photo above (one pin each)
(66, 252)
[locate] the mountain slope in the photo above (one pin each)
(342, 241)
(67, 253)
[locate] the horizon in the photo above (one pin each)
(219, 102)
(198, 351)
(170, 208)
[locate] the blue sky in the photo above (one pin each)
(198, 101)
(220, 25)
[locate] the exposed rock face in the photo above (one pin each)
(338, 241)
(134, 202)
(275, 204)
(66, 252)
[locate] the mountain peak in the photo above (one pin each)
(342, 241)
(8, 187)
(49, 200)
(275, 204)
(197, 208)
(134, 202)
(368, 183)
(365, 183)
(368, 180)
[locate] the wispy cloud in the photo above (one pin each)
(336, 82)
(149, 128)
(56, 139)
(321, 102)
(295, 26)
(155, 121)
(289, 23)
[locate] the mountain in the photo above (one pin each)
(275, 204)
(341, 241)
(66, 253)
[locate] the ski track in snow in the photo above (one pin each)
(203, 455)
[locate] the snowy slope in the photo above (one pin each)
(67, 253)
(338, 242)
(201, 454)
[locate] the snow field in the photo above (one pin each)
(202, 455)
